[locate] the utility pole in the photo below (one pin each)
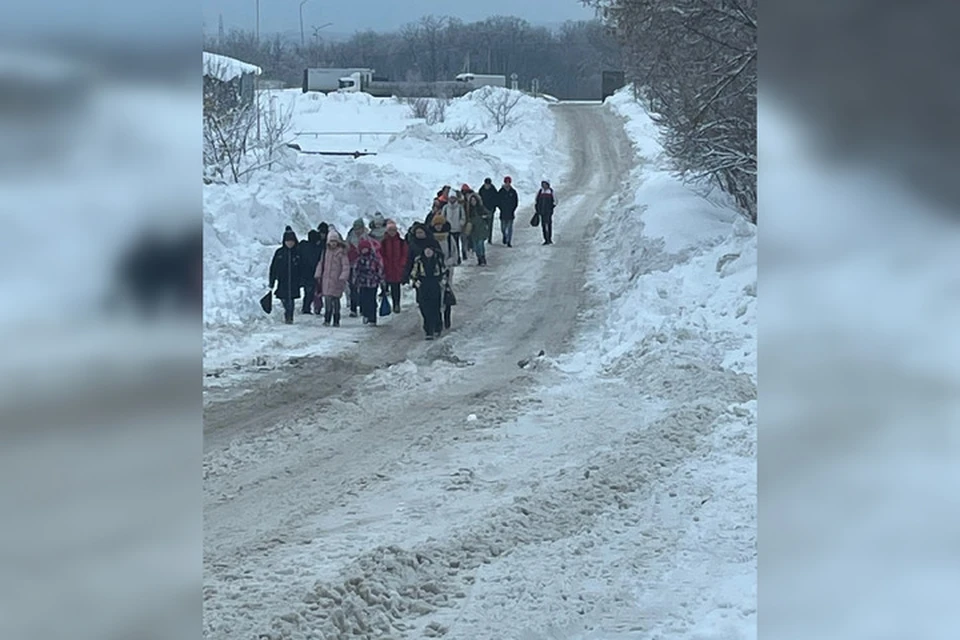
(303, 41)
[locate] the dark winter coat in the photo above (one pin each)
(479, 219)
(310, 254)
(546, 202)
(394, 251)
(489, 196)
(429, 277)
(287, 272)
(508, 201)
(416, 246)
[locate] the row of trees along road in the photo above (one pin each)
(694, 63)
(567, 61)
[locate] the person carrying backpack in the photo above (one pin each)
(545, 204)
(508, 200)
(428, 276)
(286, 273)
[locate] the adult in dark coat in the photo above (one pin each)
(491, 200)
(418, 239)
(508, 200)
(310, 254)
(286, 273)
(545, 204)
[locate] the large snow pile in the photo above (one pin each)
(243, 223)
(675, 258)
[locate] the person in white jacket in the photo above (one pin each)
(456, 215)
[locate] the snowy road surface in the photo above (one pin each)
(351, 497)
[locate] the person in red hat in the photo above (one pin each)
(508, 200)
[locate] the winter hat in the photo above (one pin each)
(507, 180)
(378, 220)
(313, 236)
(366, 244)
(465, 187)
(439, 220)
(488, 181)
(334, 237)
(323, 228)
(288, 234)
(359, 224)
(391, 225)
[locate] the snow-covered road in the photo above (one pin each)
(412, 489)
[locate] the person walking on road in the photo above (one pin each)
(418, 239)
(332, 277)
(490, 198)
(286, 273)
(394, 250)
(479, 227)
(507, 200)
(357, 233)
(429, 277)
(456, 216)
(368, 278)
(545, 205)
(309, 257)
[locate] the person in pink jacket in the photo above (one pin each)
(333, 276)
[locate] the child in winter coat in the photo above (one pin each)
(394, 251)
(429, 277)
(354, 236)
(455, 214)
(367, 279)
(332, 276)
(286, 272)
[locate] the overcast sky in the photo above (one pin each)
(348, 16)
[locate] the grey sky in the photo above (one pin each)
(348, 16)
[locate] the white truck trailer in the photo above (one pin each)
(328, 80)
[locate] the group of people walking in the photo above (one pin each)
(377, 259)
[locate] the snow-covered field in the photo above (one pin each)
(243, 223)
(603, 491)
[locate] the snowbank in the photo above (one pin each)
(675, 260)
(675, 281)
(243, 223)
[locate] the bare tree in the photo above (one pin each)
(231, 147)
(229, 124)
(694, 62)
(500, 104)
